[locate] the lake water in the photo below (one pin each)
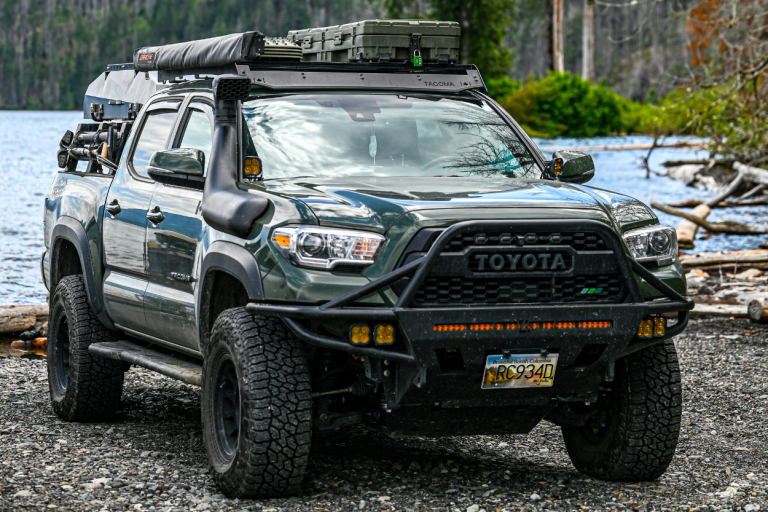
(29, 140)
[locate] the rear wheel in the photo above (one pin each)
(256, 406)
(83, 387)
(633, 435)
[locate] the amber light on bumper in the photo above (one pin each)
(359, 334)
(652, 327)
(384, 334)
(513, 326)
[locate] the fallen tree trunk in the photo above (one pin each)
(731, 228)
(753, 174)
(15, 319)
(719, 258)
(757, 312)
(675, 145)
(726, 310)
(722, 204)
(686, 230)
(752, 192)
(727, 162)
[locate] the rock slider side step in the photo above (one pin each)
(145, 357)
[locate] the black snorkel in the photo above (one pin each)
(225, 206)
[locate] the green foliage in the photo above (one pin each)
(483, 28)
(501, 88)
(561, 104)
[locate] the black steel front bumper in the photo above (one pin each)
(418, 340)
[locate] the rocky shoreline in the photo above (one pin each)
(152, 457)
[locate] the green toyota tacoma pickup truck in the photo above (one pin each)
(321, 244)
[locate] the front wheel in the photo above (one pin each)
(633, 434)
(256, 406)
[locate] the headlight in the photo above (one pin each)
(324, 248)
(654, 243)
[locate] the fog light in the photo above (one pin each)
(659, 326)
(646, 329)
(360, 334)
(384, 334)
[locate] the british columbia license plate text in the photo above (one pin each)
(519, 371)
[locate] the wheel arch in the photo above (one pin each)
(229, 277)
(68, 235)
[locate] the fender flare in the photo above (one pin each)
(236, 261)
(70, 229)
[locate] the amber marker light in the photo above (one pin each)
(282, 240)
(557, 166)
(252, 166)
(481, 327)
(384, 334)
(359, 334)
(449, 327)
(659, 326)
(600, 324)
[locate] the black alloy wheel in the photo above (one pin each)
(62, 352)
(226, 407)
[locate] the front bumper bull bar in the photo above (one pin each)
(416, 323)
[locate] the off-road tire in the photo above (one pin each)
(83, 387)
(268, 456)
(645, 403)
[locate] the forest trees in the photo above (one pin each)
(483, 28)
(728, 94)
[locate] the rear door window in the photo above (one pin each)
(198, 133)
(154, 137)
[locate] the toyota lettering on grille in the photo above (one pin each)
(510, 262)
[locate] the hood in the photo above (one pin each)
(375, 203)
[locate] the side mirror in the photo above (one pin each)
(179, 160)
(180, 166)
(571, 167)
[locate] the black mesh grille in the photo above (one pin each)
(517, 285)
(438, 290)
(580, 241)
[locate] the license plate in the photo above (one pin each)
(519, 371)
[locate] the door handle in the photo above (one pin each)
(113, 208)
(155, 216)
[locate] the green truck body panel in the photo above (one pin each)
(132, 259)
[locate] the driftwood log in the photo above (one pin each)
(757, 312)
(752, 174)
(624, 147)
(731, 228)
(14, 319)
(686, 230)
(705, 259)
(691, 203)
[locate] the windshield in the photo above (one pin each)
(382, 135)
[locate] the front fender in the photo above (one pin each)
(236, 261)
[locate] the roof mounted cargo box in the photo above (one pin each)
(381, 41)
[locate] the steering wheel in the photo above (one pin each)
(435, 161)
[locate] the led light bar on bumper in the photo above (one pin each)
(653, 244)
(325, 248)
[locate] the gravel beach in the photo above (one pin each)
(152, 456)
